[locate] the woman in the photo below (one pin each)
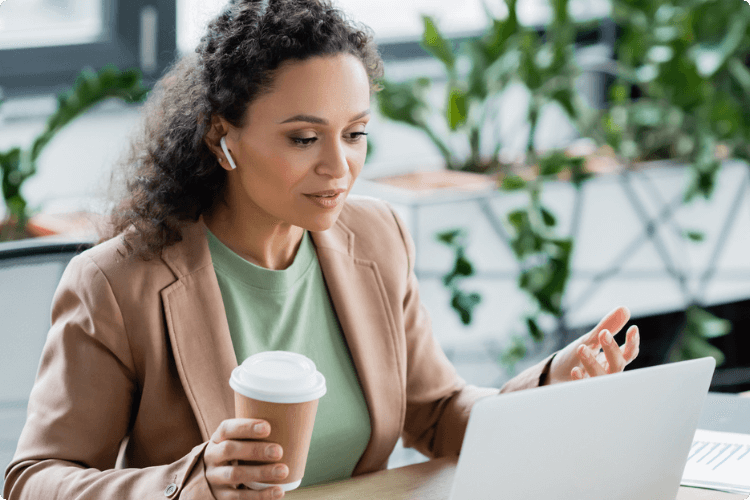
(237, 236)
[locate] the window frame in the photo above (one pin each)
(52, 69)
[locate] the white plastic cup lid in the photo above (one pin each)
(278, 377)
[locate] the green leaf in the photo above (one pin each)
(512, 183)
(740, 73)
(436, 45)
(709, 59)
(513, 354)
(535, 332)
(705, 324)
(696, 236)
(518, 219)
(548, 217)
(546, 280)
(89, 89)
(553, 163)
(528, 71)
(12, 178)
(703, 181)
(404, 101)
(464, 304)
(477, 80)
(692, 347)
(725, 117)
(566, 99)
(458, 108)
(578, 172)
(682, 84)
(451, 237)
(462, 266)
(500, 31)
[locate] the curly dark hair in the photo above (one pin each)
(171, 177)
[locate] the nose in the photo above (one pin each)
(333, 162)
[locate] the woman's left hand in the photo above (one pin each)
(597, 353)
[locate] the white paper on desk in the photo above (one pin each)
(719, 461)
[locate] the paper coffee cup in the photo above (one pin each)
(282, 388)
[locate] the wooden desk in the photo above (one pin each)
(428, 481)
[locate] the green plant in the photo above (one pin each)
(462, 302)
(682, 87)
(692, 341)
(543, 254)
(681, 91)
(507, 53)
(20, 164)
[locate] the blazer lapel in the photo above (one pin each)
(359, 299)
(198, 330)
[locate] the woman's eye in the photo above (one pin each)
(306, 141)
(303, 141)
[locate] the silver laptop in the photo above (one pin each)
(622, 436)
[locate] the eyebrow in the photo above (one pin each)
(321, 121)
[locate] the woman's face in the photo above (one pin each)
(302, 144)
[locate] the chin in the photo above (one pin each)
(322, 225)
(321, 222)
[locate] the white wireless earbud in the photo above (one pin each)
(223, 143)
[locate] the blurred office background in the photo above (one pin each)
(628, 248)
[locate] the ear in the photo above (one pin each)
(218, 129)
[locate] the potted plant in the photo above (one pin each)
(681, 92)
(682, 86)
(19, 164)
(508, 52)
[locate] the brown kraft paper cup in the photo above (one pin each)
(282, 388)
(291, 428)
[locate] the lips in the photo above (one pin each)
(331, 193)
(327, 199)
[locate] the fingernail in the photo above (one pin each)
(607, 337)
(278, 493)
(259, 428)
(279, 471)
(273, 452)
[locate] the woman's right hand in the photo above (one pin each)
(237, 439)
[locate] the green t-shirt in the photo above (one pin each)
(290, 310)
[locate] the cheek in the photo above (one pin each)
(358, 161)
(278, 171)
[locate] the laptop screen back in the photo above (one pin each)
(621, 436)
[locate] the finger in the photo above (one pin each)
(576, 373)
(231, 449)
(632, 344)
(589, 362)
(615, 359)
(229, 493)
(613, 322)
(241, 428)
(230, 476)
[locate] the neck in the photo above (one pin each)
(259, 239)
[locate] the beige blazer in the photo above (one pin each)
(141, 349)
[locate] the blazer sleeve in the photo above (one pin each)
(438, 401)
(81, 405)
